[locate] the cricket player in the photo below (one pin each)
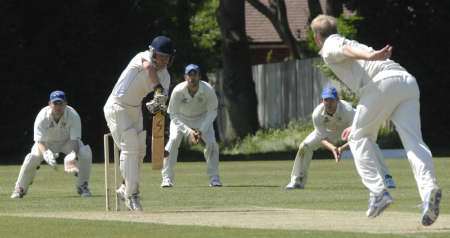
(192, 108)
(57, 129)
(146, 71)
(330, 118)
(387, 92)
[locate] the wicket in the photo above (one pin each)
(110, 188)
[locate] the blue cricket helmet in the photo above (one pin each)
(163, 44)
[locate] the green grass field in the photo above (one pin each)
(250, 188)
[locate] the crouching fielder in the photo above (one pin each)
(330, 118)
(57, 129)
(192, 109)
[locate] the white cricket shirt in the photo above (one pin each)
(354, 73)
(46, 129)
(134, 84)
(198, 111)
(331, 127)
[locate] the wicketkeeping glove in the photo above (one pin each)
(50, 158)
(70, 163)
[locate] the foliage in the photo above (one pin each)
(206, 33)
(271, 140)
(287, 139)
(388, 138)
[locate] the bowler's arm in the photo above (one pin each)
(358, 53)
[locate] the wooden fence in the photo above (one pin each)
(286, 91)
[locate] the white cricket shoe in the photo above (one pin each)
(166, 183)
(121, 193)
(215, 181)
(18, 193)
(83, 190)
(430, 207)
(389, 181)
(377, 204)
(133, 203)
(294, 185)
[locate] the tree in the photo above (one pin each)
(238, 86)
(276, 13)
(333, 7)
(206, 36)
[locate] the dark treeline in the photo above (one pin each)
(82, 46)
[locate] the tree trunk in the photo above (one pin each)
(333, 7)
(314, 9)
(238, 87)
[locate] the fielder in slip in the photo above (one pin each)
(387, 92)
(146, 71)
(330, 118)
(192, 108)
(57, 129)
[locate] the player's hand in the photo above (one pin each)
(196, 136)
(70, 163)
(193, 137)
(336, 154)
(345, 133)
(154, 107)
(161, 99)
(382, 54)
(50, 158)
(340, 149)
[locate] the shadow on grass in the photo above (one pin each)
(251, 186)
(195, 156)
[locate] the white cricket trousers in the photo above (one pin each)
(311, 143)
(125, 124)
(394, 96)
(33, 160)
(211, 151)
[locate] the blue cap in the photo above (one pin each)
(57, 96)
(329, 92)
(163, 44)
(191, 67)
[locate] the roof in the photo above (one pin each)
(260, 30)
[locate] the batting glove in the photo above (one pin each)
(154, 106)
(161, 99)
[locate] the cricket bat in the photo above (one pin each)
(158, 138)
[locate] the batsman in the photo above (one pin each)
(145, 72)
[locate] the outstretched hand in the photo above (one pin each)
(345, 133)
(382, 54)
(336, 154)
